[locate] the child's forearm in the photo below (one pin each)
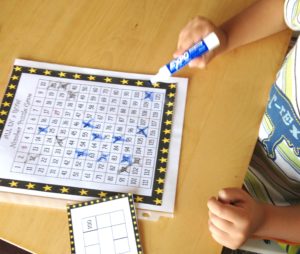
(260, 20)
(281, 223)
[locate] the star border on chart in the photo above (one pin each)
(76, 76)
(102, 194)
(83, 192)
(12, 86)
(91, 78)
(64, 190)
(47, 187)
(30, 186)
(13, 184)
(124, 81)
(62, 74)
(18, 68)
(32, 70)
(108, 79)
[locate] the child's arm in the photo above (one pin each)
(281, 223)
(260, 20)
(235, 217)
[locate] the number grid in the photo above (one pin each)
(107, 132)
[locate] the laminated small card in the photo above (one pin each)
(106, 226)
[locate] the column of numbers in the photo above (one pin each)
(29, 149)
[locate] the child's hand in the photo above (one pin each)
(234, 217)
(195, 31)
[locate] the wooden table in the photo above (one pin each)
(225, 102)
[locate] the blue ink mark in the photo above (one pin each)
(127, 159)
(43, 129)
(149, 95)
(97, 136)
(103, 157)
(142, 131)
(80, 153)
(285, 123)
(88, 124)
(117, 138)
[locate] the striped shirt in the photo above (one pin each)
(274, 172)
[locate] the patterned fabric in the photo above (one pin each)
(274, 172)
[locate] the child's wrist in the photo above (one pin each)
(222, 35)
(261, 231)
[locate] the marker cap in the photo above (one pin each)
(163, 75)
(211, 41)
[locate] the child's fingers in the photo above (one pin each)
(220, 236)
(197, 63)
(185, 39)
(178, 52)
(224, 211)
(232, 195)
(189, 36)
(215, 230)
(220, 223)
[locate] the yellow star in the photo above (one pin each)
(76, 76)
(172, 86)
(157, 201)
(1, 121)
(13, 184)
(138, 199)
(166, 140)
(30, 186)
(47, 188)
(164, 150)
(124, 81)
(108, 80)
(162, 170)
(46, 72)
(18, 68)
(163, 160)
(170, 104)
(32, 70)
(102, 194)
(6, 104)
(62, 74)
(14, 77)
(3, 112)
(83, 192)
(64, 190)
(167, 131)
(155, 85)
(91, 77)
(171, 95)
(159, 191)
(139, 83)
(9, 95)
(169, 112)
(168, 122)
(11, 86)
(160, 180)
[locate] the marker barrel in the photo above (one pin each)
(210, 42)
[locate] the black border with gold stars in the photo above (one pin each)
(164, 140)
(97, 201)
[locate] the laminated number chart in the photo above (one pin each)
(67, 132)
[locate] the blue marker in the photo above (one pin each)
(210, 42)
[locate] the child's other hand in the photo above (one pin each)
(234, 217)
(195, 31)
